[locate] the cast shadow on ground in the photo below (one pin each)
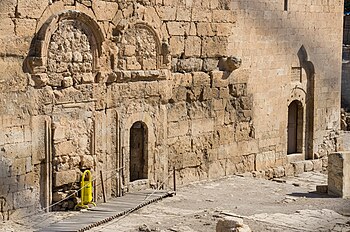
(313, 194)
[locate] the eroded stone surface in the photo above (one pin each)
(69, 55)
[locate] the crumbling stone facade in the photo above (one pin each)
(210, 88)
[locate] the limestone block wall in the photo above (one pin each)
(339, 174)
(211, 83)
(22, 170)
(345, 79)
(280, 51)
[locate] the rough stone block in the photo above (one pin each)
(4, 167)
(190, 159)
(129, 50)
(258, 174)
(200, 126)
(248, 162)
(243, 131)
(299, 167)
(64, 148)
(38, 135)
(193, 46)
(183, 79)
(31, 9)
(183, 14)
(151, 16)
(132, 63)
(18, 150)
(180, 94)
(200, 79)
(264, 160)
(14, 134)
(177, 112)
(228, 223)
(177, 45)
(218, 80)
(218, 104)
(24, 199)
(278, 172)
(295, 158)
(189, 65)
(193, 29)
(205, 29)
(224, 16)
(317, 165)
(178, 28)
(18, 166)
(210, 65)
(7, 28)
(64, 177)
(215, 46)
(200, 15)
(339, 174)
(87, 162)
(59, 133)
(176, 129)
(216, 169)
(222, 29)
(324, 161)
(104, 10)
(40, 80)
(167, 13)
(269, 173)
(25, 27)
(8, 8)
(28, 166)
(289, 170)
(58, 196)
(309, 166)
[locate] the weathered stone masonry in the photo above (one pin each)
(211, 88)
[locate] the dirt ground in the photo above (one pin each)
(287, 204)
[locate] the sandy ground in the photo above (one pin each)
(291, 204)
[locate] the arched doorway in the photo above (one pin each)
(295, 127)
(138, 166)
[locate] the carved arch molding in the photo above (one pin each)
(67, 49)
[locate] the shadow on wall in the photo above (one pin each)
(6, 183)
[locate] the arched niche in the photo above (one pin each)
(66, 50)
(140, 47)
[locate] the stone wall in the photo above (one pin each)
(339, 174)
(345, 79)
(210, 81)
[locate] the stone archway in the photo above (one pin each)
(295, 127)
(138, 166)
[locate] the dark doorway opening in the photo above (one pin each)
(295, 127)
(138, 152)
